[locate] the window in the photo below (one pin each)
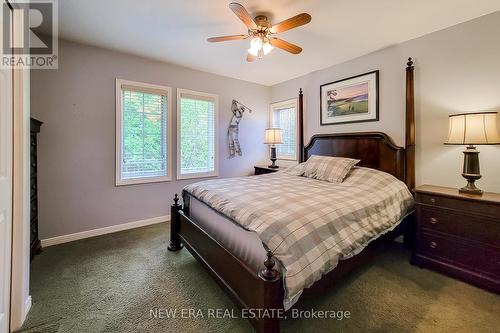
(196, 134)
(284, 116)
(142, 133)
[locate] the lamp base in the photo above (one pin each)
(273, 158)
(273, 165)
(471, 171)
(471, 188)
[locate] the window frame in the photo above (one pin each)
(215, 97)
(282, 105)
(118, 131)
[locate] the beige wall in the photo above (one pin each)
(77, 140)
(457, 70)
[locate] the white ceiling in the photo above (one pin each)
(175, 31)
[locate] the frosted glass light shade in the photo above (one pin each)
(478, 128)
(272, 136)
(256, 43)
(267, 47)
(254, 52)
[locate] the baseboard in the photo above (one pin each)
(4, 327)
(27, 308)
(102, 231)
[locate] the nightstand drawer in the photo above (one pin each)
(454, 252)
(484, 230)
(462, 204)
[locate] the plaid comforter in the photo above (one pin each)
(309, 224)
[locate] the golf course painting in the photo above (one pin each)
(350, 100)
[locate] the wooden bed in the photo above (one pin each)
(264, 290)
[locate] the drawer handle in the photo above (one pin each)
(433, 200)
(434, 220)
(433, 245)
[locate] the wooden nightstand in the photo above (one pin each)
(262, 169)
(459, 234)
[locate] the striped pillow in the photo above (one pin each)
(330, 169)
(296, 170)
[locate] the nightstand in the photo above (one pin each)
(459, 234)
(262, 169)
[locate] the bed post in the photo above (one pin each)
(410, 127)
(175, 241)
(409, 230)
(301, 126)
(273, 297)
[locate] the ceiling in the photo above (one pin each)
(175, 31)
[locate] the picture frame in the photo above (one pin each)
(351, 100)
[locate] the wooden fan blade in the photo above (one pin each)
(225, 38)
(291, 23)
(243, 15)
(251, 57)
(284, 45)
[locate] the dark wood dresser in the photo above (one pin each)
(459, 235)
(262, 169)
(34, 240)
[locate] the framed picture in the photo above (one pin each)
(350, 100)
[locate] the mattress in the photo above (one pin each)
(244, 244)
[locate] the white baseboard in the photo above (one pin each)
(27, 307)
(4, 324)
(18, 315)
(103, 231)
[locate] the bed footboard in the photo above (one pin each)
(259, 296)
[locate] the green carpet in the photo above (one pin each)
(110, 283)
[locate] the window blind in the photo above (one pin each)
(197, 134)
(285, 119)
(144, 133)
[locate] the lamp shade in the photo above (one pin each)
(273, 136)
(478, 128)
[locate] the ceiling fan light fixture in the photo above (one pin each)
(256, 43)
(262, 33)
(254, 52)
(267, 47)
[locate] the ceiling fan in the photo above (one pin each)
(262, 32)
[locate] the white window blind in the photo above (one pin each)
(143, 138)
(284, 116)
(197, 136)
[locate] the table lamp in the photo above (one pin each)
(273, 137)
(479, 128)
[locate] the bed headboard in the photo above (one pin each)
(374, 149)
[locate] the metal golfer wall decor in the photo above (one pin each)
(232, 132)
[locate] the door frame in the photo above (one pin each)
(7, 224)
(20, 268)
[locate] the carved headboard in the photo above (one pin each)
(375, 150)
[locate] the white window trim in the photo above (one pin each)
(215, 173)
(293, 102)
(118, 127)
